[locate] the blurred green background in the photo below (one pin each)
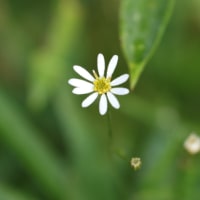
(52, 149)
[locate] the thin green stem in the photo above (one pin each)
(122, 155)
(110, 132)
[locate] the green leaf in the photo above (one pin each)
(143, 23)
(30, 148)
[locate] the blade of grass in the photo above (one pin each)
(38, 158)
(47, 64)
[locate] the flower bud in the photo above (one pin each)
(192, 143)
(136, 163)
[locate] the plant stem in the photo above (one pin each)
(110, 134)
(110, 138)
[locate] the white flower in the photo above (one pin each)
(100, 85)
(192, 143)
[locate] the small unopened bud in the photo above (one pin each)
(192, 143)
(136, 163)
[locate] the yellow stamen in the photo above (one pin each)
(95, 74)
(101, 85)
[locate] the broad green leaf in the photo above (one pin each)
(143, 23)
(30, 148)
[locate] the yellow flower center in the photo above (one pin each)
(101, 85)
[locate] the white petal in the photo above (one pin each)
(89, 100)
(113, 100)
(82, 90)
(120, 91)
(79, 83)
(83, 73)
(103, 105)
(119, 80)
(101, 64)
(111, 66)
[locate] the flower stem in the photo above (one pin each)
(119, 153)
(110, 134)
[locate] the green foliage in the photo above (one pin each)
(44, 80)
(24, 140)
(51, 148)
(8, 193)
(142, 26)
